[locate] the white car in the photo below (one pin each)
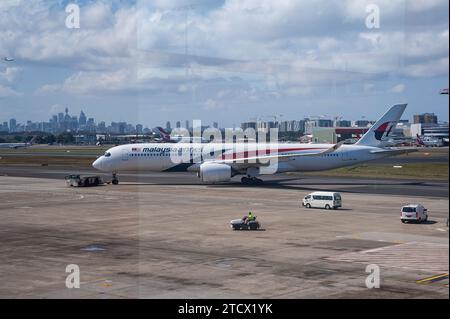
(413, 212)
(326, 200)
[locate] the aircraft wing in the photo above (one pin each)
(394, 151)
(265, 160)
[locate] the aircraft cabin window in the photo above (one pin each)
(107, 154)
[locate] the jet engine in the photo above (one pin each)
(215, 173)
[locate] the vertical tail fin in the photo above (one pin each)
(382, 128)
(419, 140)
(33, 140)
(165, 136)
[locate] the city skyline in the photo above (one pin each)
(65, 122)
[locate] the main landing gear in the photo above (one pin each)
(251, 181)
(115, 180)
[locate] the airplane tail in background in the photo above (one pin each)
(383, 127)
(419, 140)
(33, 140)
(165, 136)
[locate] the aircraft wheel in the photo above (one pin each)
(115, 180)
(245, 180)
(258, 181)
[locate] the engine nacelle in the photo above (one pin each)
(215, 173)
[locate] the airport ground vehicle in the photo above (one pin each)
(326, 200)
(240, 224)
(413, 212)
(78, 180)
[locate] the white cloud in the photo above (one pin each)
(8, 92)
(399, 88)
(210, 105)
(424, 5)
(294, 46)
(437, 67)
(10, 74)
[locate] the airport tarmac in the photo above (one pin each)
(281, 181)
(146, 238)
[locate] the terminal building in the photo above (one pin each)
(429, 131)
(428, 128)
(334, 135)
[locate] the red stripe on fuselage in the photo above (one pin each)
(266, 152)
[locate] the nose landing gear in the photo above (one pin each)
(115, 180)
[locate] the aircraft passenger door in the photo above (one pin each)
(124, 155)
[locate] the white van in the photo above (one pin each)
(326, 200)
(413, 212)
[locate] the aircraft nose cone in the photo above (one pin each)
(98, 164)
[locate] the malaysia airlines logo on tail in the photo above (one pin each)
(383, 128)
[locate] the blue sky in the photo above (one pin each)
(227, 61)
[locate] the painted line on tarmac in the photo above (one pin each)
(432, 279)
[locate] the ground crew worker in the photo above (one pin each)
(250, 217)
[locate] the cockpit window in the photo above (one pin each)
(107, 154)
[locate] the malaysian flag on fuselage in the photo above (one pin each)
(135, 149)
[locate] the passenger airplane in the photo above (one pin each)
(429, 141)
(219, 162)
(18, 145)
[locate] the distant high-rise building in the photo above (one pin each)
(82, 120)
(12, 125)
(343, 123)
(362, 123)
(139, 128)
(178, 125)
(90, 124)
(101, 127)
(426, 118)
(311, 124)
(168, 127)
(187, 125)
(215, 125)
(247, 125)
(122, 127)
(283, 126)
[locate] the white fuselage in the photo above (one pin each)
(159, 157)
